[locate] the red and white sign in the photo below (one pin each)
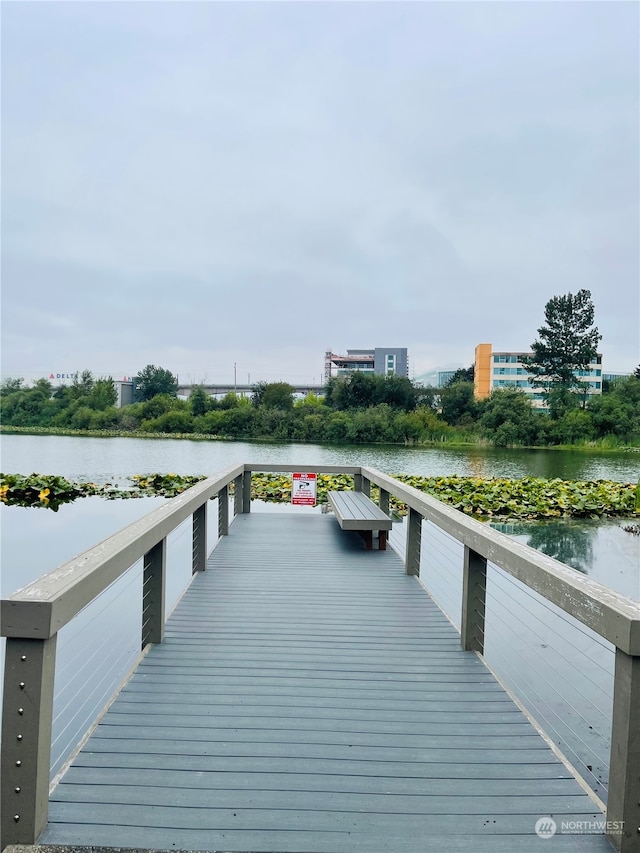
(303, 489)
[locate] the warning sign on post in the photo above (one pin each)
(303, 489)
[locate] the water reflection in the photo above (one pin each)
(601, 549)
(565, 541)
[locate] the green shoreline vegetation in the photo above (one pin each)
(356, 409)
(529, 498)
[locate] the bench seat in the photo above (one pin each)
(355, 511)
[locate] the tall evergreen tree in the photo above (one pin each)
(567, 343)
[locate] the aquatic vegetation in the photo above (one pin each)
(166, 485)
(41, 490)
(528, 498)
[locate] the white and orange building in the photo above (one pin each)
(497, 369)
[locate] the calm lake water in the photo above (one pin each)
(532, 647)
(105, 459)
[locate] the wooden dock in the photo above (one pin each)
(310, 696)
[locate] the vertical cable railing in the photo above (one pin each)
(540, 625)
(497, 578)
(127, 570)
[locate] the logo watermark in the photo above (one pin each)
(546, 827)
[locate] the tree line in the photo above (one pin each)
(359, 408)
(362, 407)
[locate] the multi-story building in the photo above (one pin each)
(507, 370)
(381, 361)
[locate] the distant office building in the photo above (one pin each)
(381, 361)
(439, 377)
(507, 370)
(444, 377)
(615, 377)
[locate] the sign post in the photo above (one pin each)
(303, 489)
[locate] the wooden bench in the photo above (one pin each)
(355, 511)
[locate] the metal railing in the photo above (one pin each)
(32, 617)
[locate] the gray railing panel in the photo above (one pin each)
(613, 616)
(40, 609)
(32, 616)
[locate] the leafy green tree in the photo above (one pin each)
(10, 385)
(103, 394)
(361, 390)
(82, 385)
(575, 425)
(238, 422)
(258, 394)
(399, 392)
(618, 412)
(310, 401)
(459, 405)
(172, 421)
(356, 390)
(463, 374)
(229, 401)
(199, 401)
(423, 424)
(567, 343)
(636, 372)
(159, 405)
(29, 406)
(277, 395)
(340, 428)
(156, 380)
(508, 418)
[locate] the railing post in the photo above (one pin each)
(623, 803)
(366, 487)
(153, 587)
(474, 588)
(383, 501)
(237, 494)
(414, 538)
(357, 482)
(223, 511)
(26, 738)
(199, 550)
(246, 492)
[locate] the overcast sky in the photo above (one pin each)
(202, 184)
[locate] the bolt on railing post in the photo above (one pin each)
(246, 492)
(223, 511)
(237, 494)
(153, 592)
(27, 715)
(623, 802)
(383, 501)
(199, 550)
(414, 539)
(474, 587)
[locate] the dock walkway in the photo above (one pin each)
(310, 696)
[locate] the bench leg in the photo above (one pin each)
(367, 535)
(382, 540)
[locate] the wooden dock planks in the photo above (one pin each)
(309, 696)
